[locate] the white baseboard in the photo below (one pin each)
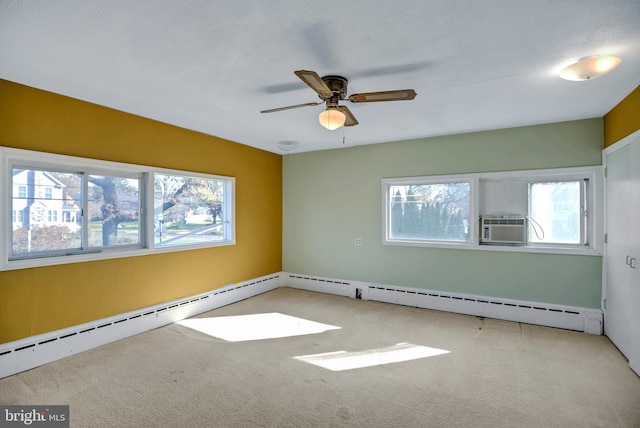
(587, 320)
(338, 287)
(37, 350)
(34, 351)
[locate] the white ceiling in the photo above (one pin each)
(212, 65)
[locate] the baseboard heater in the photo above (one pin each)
(587, 320)
(35, 351)
(323, 285)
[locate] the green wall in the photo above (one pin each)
(331, 197)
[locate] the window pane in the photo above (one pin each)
(437, 211)
(188, 210)
(40, 199)
(114, 211)
(556, 208)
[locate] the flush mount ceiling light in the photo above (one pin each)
(332, 118)
(590, 68)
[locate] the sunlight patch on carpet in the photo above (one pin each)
(342, 360)
(240, 328)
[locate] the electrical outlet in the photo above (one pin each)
(358, 242)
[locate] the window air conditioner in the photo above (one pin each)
(503, 230)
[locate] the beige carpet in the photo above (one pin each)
(496, 374)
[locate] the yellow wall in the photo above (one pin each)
(34, 301)
(623, 119)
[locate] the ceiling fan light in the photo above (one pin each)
(332, 119)
(590, 68)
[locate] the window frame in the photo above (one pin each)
(584, 214)
(11, 157)
(39, 162)
(227, 205)
(142, 229)
(387, 197)
(593, 193)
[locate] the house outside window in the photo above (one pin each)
(16, 216)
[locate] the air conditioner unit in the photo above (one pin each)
(503, 230)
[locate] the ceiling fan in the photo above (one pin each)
(333, 89)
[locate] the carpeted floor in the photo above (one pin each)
(495, 373)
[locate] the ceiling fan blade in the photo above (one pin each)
(315, 82)
(371, 97)
(351, 119)
(290, 107)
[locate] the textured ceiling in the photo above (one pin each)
(211, 66)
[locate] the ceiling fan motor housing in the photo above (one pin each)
(337, 85)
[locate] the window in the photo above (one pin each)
(422, 210)
(113, 208)
(558, 213)
(17, 216)
(112, 203)
(558, 208)
(189, 210)
(36, 231)
(64, 209)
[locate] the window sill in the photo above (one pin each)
(104, 254)
(541, 249)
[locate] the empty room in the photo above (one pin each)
(320, 214)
